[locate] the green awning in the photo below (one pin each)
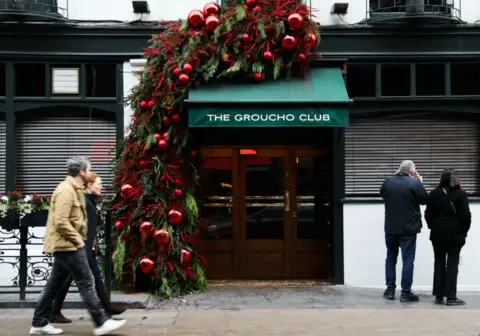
(319, 100)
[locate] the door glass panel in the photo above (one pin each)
(264, 197)
(313, 198)
(216, 210)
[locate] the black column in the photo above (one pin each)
(10, 129)
(120, 105)
(338, 194)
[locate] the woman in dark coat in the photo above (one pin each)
(93, 191)
(448, 217)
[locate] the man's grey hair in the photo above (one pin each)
(406, 167)
(76, 164)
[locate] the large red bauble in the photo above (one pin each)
(125, 190)
(210, 8)
(162, 144)
(157, 136)
(178, 192)
(146, 265)
(256, 9)
(212, 23)
(289, 42)
(178, 183)
(295, 21)
(161, 236)
(251, 3)
(146, 228)
(143, 104)
(119, 225)
(310, 41)
(187, 68)
(301, 58)
(175, 217)
(267, 56)
(186, 256)
(151, 103)
(176, 118)
(177, 72)
(166, 136)
(166, 120)
(195, 18)
(184, 79)
(245, 37)
(257, 76)
(143, 164)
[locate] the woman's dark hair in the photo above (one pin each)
(449, 179)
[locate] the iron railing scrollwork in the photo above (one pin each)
(37, 9)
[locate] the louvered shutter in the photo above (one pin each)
(375, 147)
(44, 144)
(3, 155)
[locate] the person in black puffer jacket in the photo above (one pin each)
(448, 217)
(94, 189)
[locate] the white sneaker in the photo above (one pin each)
(46, 330)
(109, 326)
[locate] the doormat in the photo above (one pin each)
(267, 283)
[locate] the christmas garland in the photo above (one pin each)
(156, 215)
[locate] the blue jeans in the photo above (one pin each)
(408, 245)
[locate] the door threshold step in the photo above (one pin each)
(268, 283)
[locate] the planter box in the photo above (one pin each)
(10, 222)
(36, 219)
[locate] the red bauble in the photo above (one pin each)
(245, 37)
(176, 118)
(187, 68)
(151, 103)
(178, 183)
(119, 225)
(289, 42)
(256, 9)
(186, 256)
(166, 120)
(227, 58)
(251, 3)
(175, 217)
(184, 79)
(146, 265)
(210, 8)
(301, 58)
(177, 72)
(146, 228)
(125, 190)
(166, 136)
(212, 23)
(257, 76)
(161, 236)
(178, 192)
(143, 104)
(157, 136)
(162, 144)
(295, 21)
(195, 18)
(267, 56)
(310, 41)
(143, 164)
(193, 153)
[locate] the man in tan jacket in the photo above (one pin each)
(64, 237)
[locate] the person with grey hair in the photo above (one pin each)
(65, 237)
(403, 194)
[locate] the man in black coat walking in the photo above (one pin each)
(403, 194)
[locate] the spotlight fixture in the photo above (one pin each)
(339, 8)
(140, 7)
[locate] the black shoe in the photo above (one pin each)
(409, 297)
(439, 300)
(455, 302)
(389, 294)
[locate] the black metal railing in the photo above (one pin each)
(34, 9)
(25, 268)
(400, 10)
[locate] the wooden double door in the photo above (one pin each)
(266, 212)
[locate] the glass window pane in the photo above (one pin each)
(430, 79)
(395, 80)
(30, 80)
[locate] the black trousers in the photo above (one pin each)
(445, 274)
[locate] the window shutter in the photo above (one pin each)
(375, 147)
(44, 144)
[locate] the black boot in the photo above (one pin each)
(409, 297)
(389, 294)
(439, 300)
(455, 302)
(110, 309)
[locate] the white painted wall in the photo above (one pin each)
(121, 10)
(364, 251)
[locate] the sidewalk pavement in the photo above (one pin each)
(271, 322)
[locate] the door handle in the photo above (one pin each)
(287, 201)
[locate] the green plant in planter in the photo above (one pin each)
(33, 204)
